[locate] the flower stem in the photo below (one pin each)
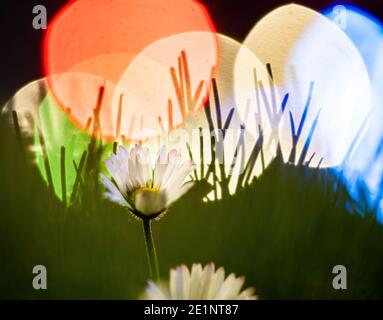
(151, 251)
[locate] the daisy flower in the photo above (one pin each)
(199, 284)
(146, 191)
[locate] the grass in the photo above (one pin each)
(284, 232)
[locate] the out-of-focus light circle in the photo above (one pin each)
(303, 47)
(170, 73)
(365, 165)
(254, 100)
(46, 130)
(103, 37)
(86, 29)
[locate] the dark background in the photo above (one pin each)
(20, 50)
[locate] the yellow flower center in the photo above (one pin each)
(148, 201)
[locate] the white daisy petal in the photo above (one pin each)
(216, 283)
(139, 167)
(114, 172)
(180, 279)
(109, 185)
(123, 152)
(122, 170)
(230, 288)
(117, 198)
(145, 165)
(247, 294)
(160, 168)
(132, 169)
(175, 194)
(207, 274)
(195, 283)
(158, 174)
(173, 161)
(113, 193)
(179, 174)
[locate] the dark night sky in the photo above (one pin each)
(21, 43)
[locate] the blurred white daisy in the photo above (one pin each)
(146, 190)
(199, 284)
